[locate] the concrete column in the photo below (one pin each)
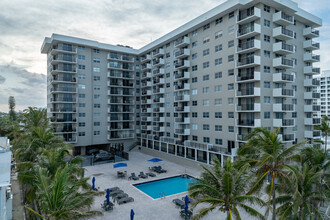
(166, 147)
(175, 150)
(185, 152)
(222, 160)
(83, 150)
(196, 152)
(208, 157)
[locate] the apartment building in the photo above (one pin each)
(195, 92)
(322, 83)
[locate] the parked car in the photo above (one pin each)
(93, 151)
(103, 155)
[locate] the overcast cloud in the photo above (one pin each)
(25, 23)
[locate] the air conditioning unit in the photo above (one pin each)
(9, 194)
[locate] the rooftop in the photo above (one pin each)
(5, 164)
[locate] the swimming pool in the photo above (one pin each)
(165, 187)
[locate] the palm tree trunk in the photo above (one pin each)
(274, 197)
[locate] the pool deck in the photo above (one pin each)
(144, 206)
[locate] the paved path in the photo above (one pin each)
(18, 208)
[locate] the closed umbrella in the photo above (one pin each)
(93, 183)
(155, 160)
(117, 165)
(186, 201)
(132, 214)
(107, 196)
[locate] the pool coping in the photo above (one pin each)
(159, 180)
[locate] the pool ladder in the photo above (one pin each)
(162, 195)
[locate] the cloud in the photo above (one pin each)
(2, 79)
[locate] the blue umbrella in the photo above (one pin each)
(186, 201)
(93, 183)
(155, 160)
(107, 196)
(120, 165)
(132, 214)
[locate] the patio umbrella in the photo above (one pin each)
(155, 160)
(117, 165)
(186, 201)
(93, 183)
(107, 196)
(132, 214)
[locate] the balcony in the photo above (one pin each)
(309, 57)
(159, 110)
(248, 123)
(311, 95)
(120, 136)
(182, 76)
(283, 48)
(311, 82)
(182, 42)
(312, 108)
(182, 53)
(248, 31)
(158, 119)
(63, 90)
(311, 70)
(283, 122)
(312, 121)
(241, 138)
(62, 59)
(248, 46)
(145, 58)
(146, 84)
(63, 99)
(123, 67)
(182, 98)
(279, 92)
(286, 137)
(246, 16)
(158, 71)
(283, 19)
(63, 120)
(182, 64)
(182, 120)
(63, 80)
(158, 62)
(283, 108)
(63, 48)
(159, 52)
(63, 110)
(311, 45)
(185, 86)
(281, 62)
(159, 100)
(248, 62)
(146, 75)
(122, 58)
(248, 107)
(159, 81)
(159, 90)
(183, 109)
(312, 134)
(182, 131)
(248, 92)
(113, 128)
(60, 68)
(146, 66)
(282, 77)
(311, 32)
(244, 77)
(158, 129)
(282, 33)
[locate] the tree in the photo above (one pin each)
(265, 151)
(12, 104)
(324, 127)
(224, 189)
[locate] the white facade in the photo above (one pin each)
(324, 89)
(6, 196)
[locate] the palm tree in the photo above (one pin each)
(62, 197)
(223, 188)
(299, 202)
(324, 127)
(265, 151)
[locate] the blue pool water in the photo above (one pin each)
(169, 186)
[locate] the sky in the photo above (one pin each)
(25, 23)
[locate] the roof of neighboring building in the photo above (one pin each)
(5, 164)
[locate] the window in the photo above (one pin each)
(231, 58)
(218, 75)
(217, 101)
(206, 77)
(206, 114)
(168, 85)
(206, 102)
(230, 114)
(218, 61)
(97, 87)
(168, 65)
(218, 34)
(194, 126)
(266, 38)
(97, 78)
(218, 114)
(82, 115)
(194, 68)
(218, 127)
(230, 43)
(267, 100)
(194, 92)
(218, 21)
(81, 48)
(168, 114)
(206, 65)
(206, 139)
(81, 95)
(206, 90)
(81, 67)
(82, 124)
(81, 57)
(230, 100)
(230, 86)
(81, 134)
(218, 141)
(266, 23)
(81, 105)
(81, 76)
(168, 124)
(195, 138)
(231, 72)
(267, 69)
(206, 127)
(194, 79)
(266, 115)
(96, 132)
(217, 88)
(267, 53)
(96, 60)
(206, 39)
(231, 15)
(194, 103)
(194, 114)
(168, 55)
(218, 48)
(266, 85)
(97, 105)
(266, 8)
(96, 115)
(168, 45)
(97, 123)
(168, 75)
(294, 114)
(194, 32)
(81, 86)
(194, 44)
(231, 29)
(230, 128)
(206, 52)
(194, 56)
(96, 51)
(207, 26)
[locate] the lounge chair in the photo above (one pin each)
(107, 207)
(151, 174)
(125, 200)
(114, 193)
(133, 177)
(159, 169)
(120, 196)
(186, 214)
(113, 188)
(121, 174)
(179, 203)
(142, 175)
